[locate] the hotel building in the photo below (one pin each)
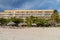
(26, 13)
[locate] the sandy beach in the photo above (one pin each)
(32, 33)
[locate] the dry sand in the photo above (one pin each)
(30, 34)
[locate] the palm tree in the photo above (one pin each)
(55, 17)
(29, 21)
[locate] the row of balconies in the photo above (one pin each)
(29, 11)
(9, 15)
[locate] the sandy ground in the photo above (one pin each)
(30, 34)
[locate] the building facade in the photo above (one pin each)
(26, 13)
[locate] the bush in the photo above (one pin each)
(17, 21)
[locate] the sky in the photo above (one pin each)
(29, 5)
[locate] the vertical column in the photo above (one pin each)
(43, 13)
(13, 13)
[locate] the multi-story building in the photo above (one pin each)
(26, 13)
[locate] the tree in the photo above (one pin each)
(29, 21)
(4, 21)
(38, 21)
(41, 22)
(55, 17)
(17, 21)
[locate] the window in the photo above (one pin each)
(31, 11)
(27, 12)
(22, 11)
(47, 14)
(39, 11)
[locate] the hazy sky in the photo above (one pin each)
(30, 4)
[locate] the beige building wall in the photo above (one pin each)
(26, 13)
